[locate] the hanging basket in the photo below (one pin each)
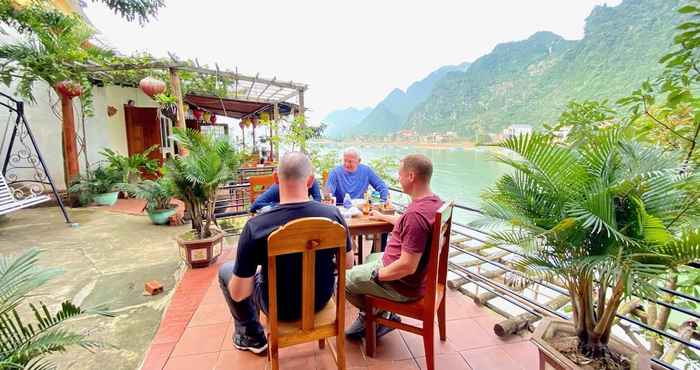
(197, 114)
(69, 89)
(152, 86)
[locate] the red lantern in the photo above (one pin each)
(69, 89)
(213, 119)
(197, 114)
(152, 86)
(255, 121)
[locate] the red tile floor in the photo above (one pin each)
(195, 333)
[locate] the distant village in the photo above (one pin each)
(412, 136)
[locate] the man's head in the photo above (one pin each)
(294, 170)
(415, 172)
(351, 159)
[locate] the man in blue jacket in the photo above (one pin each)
(354, 178)
(271, 196)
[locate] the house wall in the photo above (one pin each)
(101, 131)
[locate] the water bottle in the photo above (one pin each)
(347, 201)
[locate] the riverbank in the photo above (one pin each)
(457, 145)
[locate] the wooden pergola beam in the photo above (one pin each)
(266, 87)
(251, 85)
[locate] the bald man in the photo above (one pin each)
(245, 289)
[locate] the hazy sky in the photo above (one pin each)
(350, 53)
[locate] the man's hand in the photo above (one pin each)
(376, 215)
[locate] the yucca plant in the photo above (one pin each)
(209, 162)
(606, 219)
(24, 344)
(131, 167)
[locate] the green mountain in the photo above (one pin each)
(531, 81)
(341, 120)
(391, 113)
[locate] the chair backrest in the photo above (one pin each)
(439, 252)
(258, 185)
(306, 236)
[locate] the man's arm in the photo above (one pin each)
(376, 215)
(406, 265)
(240, 286)
(270, 196)
(378, 185)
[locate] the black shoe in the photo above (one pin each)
(253, 343)
(357, 329)
(384, 330)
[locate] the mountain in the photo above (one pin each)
(531, 81)
(391, 113)
(340, 120)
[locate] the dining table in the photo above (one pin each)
(361, 225)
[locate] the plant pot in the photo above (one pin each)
(160, 216)
(106, 199)
(201, 252)
(552, 359)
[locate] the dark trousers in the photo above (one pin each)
(245, 312)
(384, 241)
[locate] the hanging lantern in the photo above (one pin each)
(69, 89)
(197, 114)
(247, 122)
(264, 117)
(206, 117)
(254, 121)
(187, 108)
(213, 119)
(152, 86)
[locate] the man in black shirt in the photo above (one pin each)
(245, 289)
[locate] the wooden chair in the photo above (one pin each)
(306, 236)
(258, 185)
(425, 308)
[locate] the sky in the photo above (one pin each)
(350, 53)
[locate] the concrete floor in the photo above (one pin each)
(106, 261)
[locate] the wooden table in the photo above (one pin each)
(361, 225)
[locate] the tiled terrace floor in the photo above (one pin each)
(196, 332)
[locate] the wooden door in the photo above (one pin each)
(143, 130)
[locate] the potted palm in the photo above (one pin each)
(209, 163)
(605, 219)
(101, 186)
(133, 167)
(157, 194)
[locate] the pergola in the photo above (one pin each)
(250, 96)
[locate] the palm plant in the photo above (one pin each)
(606, 219)
(157, 193)
(25, 345)
(131, 167)
(209, 163)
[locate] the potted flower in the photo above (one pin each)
(101, 186)
(157, 194)
(209, 163)
(606, 219)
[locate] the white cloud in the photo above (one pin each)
(350, 53)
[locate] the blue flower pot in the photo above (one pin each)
(160, 216)
(106, 199)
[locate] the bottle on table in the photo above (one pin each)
(347, 201)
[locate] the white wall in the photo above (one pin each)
(101, 131)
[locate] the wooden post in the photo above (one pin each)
(275, 120)
(71, 168)
(177, 92)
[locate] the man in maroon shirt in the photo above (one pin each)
(398, 274)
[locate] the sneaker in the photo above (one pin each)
(384, 330)
(357, 329)
(256, 344)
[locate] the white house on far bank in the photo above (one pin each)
(516, 130)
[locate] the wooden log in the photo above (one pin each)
(492, 307)
(523, 321)
(685, 331)
(482, 298)
(491, 274)
(71, 167)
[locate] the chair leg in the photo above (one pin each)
(321, 343)
(441, 320)
(370, 333)
(273, 355)
(429, 344)
(340, 351)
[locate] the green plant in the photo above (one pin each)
(387, 169)
(133, 166)
(26, 345)
(209, 163)
(157, 193)
(607, 219)
(323, 161)
(99, 181)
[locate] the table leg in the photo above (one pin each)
(360, 249)
(376, 247)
